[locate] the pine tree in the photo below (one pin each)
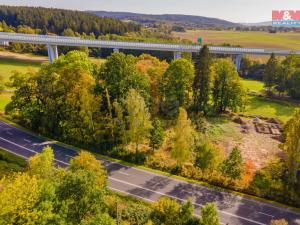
(202, 80)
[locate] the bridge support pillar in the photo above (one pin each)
(4, 43)
(177, 55)
(116, 50)
(237, 61)
(52, 53)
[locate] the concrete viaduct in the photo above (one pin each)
(53, 41)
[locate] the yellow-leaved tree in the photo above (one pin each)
(183, 139)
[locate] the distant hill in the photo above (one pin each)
(187, 21)
(57, 20)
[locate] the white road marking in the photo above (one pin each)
(29, 149)
(9, 133)
(27, 140)
(70, 156)
(183, 200)
(126, 174)
(266, 214)
(24, 157)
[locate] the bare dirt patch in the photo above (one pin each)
(257, 147)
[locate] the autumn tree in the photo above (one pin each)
(154, 69)
(42, 164)
(292, 148)
(138, 118)
(167, 211)
(279, 222)
(120, 74)
(156, 134)
(209, 215)
(233, 165)
(183, 138)
(228, 92)
(20, 194)
(177, 82)
(271, 72)
(202, 80)
(86, 161)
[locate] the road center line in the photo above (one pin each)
(183, 200)
(9, 133)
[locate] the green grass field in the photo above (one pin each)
(7, 66)
(260, 106)
(253, 85)
(253, 39)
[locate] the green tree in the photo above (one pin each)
(183, 138)
(233, 165)
(209, 215)
(271, 72)
(138, 118)
(99, 219)
(246, 64)
(156, 134)
(120, 74)
(228, 92)
(59, 100)
(177, 82)
(208, 156)
(292, 148)
(202, 80)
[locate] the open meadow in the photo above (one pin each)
(290, 41)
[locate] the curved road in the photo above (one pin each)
(149, 186)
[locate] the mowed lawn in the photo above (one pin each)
(255, 39)
(253, 85)
(7, 66)
(264, 107)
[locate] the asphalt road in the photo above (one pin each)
(149, 186)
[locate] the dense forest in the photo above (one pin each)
(57, 20)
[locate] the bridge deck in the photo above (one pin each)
(73, 41)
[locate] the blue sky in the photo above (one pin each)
(232, 10)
